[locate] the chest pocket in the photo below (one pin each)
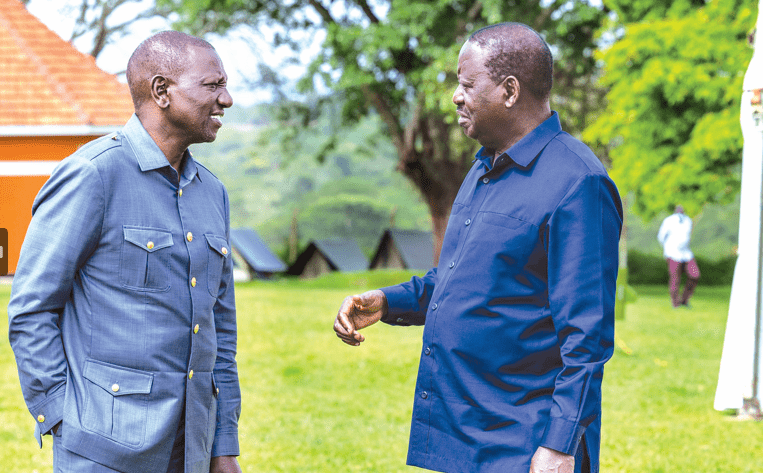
(144, 259)
(219, 251)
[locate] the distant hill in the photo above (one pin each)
(272, 171)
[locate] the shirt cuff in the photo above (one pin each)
(226, 445)
(400, 311)
(47, 414)
(562, 435)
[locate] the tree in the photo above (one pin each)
(397, 58)
(106, 20)
(672, 119)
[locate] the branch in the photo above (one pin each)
(322, 11)
(367, 10)
(474, 11)
(546, 14)
(388, 117)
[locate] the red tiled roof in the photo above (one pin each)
(46, 81)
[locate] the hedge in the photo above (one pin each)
(645, 268)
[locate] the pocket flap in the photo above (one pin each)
(150, 239)
(218, 244)
(116, 380)
(501, 220)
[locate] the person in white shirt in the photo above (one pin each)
(674, 236)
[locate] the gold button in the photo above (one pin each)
(218, 390)
(189, 236)
(190, 374)
(180, 193)
(225, 250)
(150, 245)
(40, 418)
(193, 282)
(115, 387)
(196, 329)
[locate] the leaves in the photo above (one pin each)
(672, 123)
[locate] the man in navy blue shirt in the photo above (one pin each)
(519, 314)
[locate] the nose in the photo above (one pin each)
(458, 95)
(225, 99)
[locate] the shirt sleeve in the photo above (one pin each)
(583, 238)
(226, 370)
(662, 234)
(408, 302)
(67, 217)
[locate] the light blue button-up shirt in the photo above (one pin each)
(122, 314)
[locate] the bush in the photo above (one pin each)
(644, 268)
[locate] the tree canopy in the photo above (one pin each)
(672, 118)
(397, 58)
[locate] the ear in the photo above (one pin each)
(511, 91)
(159, 86)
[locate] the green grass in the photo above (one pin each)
(313, 404)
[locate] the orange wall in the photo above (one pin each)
(17, 193)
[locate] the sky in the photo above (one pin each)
(236, 50)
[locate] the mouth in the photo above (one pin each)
(217, 118)
(462, 117)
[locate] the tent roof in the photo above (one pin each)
(342, 255)
(415, 247)
(255, 252)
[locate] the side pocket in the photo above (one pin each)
(219, 250)
(116, 404)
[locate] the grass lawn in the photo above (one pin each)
(313, 404)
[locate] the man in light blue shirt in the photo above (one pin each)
(122, 315)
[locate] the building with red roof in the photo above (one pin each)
(53, 99)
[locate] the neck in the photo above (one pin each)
(172, 147)
(528, 120)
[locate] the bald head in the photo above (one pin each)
(514, 49)
(165, 54)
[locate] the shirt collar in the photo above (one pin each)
(529, 147)
(148, 154)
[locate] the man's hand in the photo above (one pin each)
(546, 460)
(224, 465)
(359, 312)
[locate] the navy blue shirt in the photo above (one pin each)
(519, 313)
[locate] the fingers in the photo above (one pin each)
(351, 338)
(344, 325)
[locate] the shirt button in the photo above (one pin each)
(427, 351)
(150, 245)
(40, 418)
(434, 306)
(190, 374)
(424, 394)
(452, 263)
(193, 282)
(115, 387)
(180, 193)
(468, 221)
(485, 180)
(196, 328)
(224, 250)
(189, 236)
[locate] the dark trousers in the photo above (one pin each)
(675, 270)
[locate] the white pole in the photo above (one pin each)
(739, 378)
